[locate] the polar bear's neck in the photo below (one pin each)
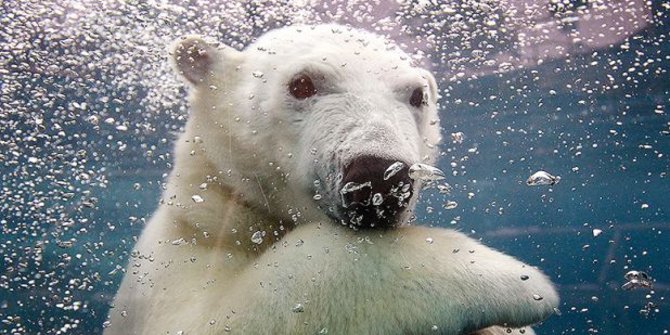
(212, 212)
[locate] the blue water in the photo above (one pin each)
(595, 140)
(523, 131)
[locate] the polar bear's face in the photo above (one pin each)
(329, 115)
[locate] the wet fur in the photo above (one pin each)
(252, 153)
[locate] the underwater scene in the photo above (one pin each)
(554, 118)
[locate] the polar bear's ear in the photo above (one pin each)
(199, 61)
(432, 86)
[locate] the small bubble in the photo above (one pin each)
(637, 279)
(352, 187)
(179, 241)
(64, 244)
(197, 199)
(444, 188)
(257, 237)
(524, 277)
(457, 137)
(450, 204)
(94, 120)
(377, 199)
(542, 178)
(393, 169)
(425, 172)
(537, 297)
(298, 308)
(659, 109)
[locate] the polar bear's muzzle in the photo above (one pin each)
(375, 192)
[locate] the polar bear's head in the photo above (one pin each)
(314, 118)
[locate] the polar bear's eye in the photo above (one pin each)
(418, 98)
(302, 87)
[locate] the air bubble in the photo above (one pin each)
(444, 188)
(450, 204)
(542, 178)
(352, 187)
(637, 279)
(257, 237)
(457, 137)
(298, 308)
(425, 172)
(179, 241)
(393, 169)
(377, 199)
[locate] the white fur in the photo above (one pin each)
(253, 152)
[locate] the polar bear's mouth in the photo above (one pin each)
(374, 192)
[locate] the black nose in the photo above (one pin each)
(375, 191)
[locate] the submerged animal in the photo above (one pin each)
(281, 216)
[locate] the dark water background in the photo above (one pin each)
(609, 146)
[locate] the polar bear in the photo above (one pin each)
(288, 208)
